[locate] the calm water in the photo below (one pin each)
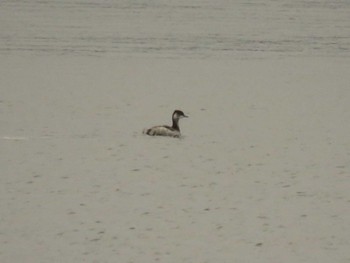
(175, 28)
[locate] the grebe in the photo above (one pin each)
(165, 130)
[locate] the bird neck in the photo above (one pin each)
(176, 124)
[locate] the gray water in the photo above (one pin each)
(175, 28)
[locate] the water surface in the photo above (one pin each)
(182, 28)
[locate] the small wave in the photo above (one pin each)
(14, 138)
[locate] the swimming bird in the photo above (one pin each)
(165, 130)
